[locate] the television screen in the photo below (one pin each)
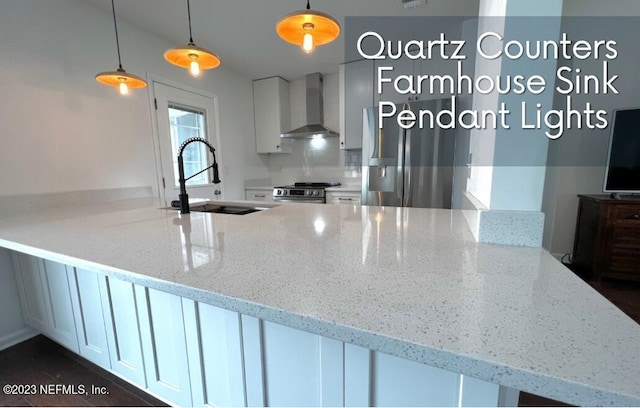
(623, 164)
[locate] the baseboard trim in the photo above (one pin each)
(17, 337)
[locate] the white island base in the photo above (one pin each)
(191, 353)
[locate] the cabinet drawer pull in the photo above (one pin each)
(635, 217)
(260, 195)
(345, 199)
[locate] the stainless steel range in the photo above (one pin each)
(303, 192)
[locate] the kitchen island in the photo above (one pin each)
(356, 295)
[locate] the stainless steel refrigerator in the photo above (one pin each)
(407, 167)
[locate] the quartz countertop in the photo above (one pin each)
(405, 281)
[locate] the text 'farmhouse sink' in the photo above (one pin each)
(222, 208)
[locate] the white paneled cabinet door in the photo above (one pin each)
(87, 289)
(357, 93)
(214, 345)
(288, 367)
(271, 112)
(62, 326)
(123, 334)
(29, 278)
(399, 382)
(164, 345)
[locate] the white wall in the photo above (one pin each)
(508, 164)
(577, 159)
(62, 131)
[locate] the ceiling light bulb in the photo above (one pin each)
(123, 88)
(307, 41)
(194, 67)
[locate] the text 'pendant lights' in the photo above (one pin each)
(120, 78)
(192, 57)
(308, 28)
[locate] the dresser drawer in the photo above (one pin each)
(607, 240)
(626, 212)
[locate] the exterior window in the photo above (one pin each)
(186, 123)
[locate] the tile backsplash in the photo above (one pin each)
(315, 160)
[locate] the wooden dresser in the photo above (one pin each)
(607, 241)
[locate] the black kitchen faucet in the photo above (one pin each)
(183, 197)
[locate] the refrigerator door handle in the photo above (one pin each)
(406, 170)
(400, 168)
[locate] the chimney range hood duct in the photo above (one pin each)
(314, 127)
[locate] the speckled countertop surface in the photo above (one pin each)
(409, 282)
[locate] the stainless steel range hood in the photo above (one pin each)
(314, 127)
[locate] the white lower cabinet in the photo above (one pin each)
(343, 197)
(164, 345)
(88, 295)
(29, 278)
(195, 354)
(258, 195)
(214, 350)
(123, 331)
(62, 325)
(46, 298)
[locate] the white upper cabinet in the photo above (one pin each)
(271, 112)
(356, 93)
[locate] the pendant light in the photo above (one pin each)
(308, 28)
(120, 78)
(191, 56)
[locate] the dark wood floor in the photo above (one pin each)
(40, 361)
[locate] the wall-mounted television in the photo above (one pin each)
(623, 163)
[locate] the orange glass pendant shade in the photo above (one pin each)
(308, 28)
(120, 78)
(184, 57)
(191, 56)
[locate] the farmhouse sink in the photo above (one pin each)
(225, 209)
(221, 207)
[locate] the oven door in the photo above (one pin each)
(316, 200)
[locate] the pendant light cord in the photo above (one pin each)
(115, 25)
(189, 15)
(308, 5)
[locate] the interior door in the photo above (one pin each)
(181, 115)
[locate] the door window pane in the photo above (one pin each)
(185, 123)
